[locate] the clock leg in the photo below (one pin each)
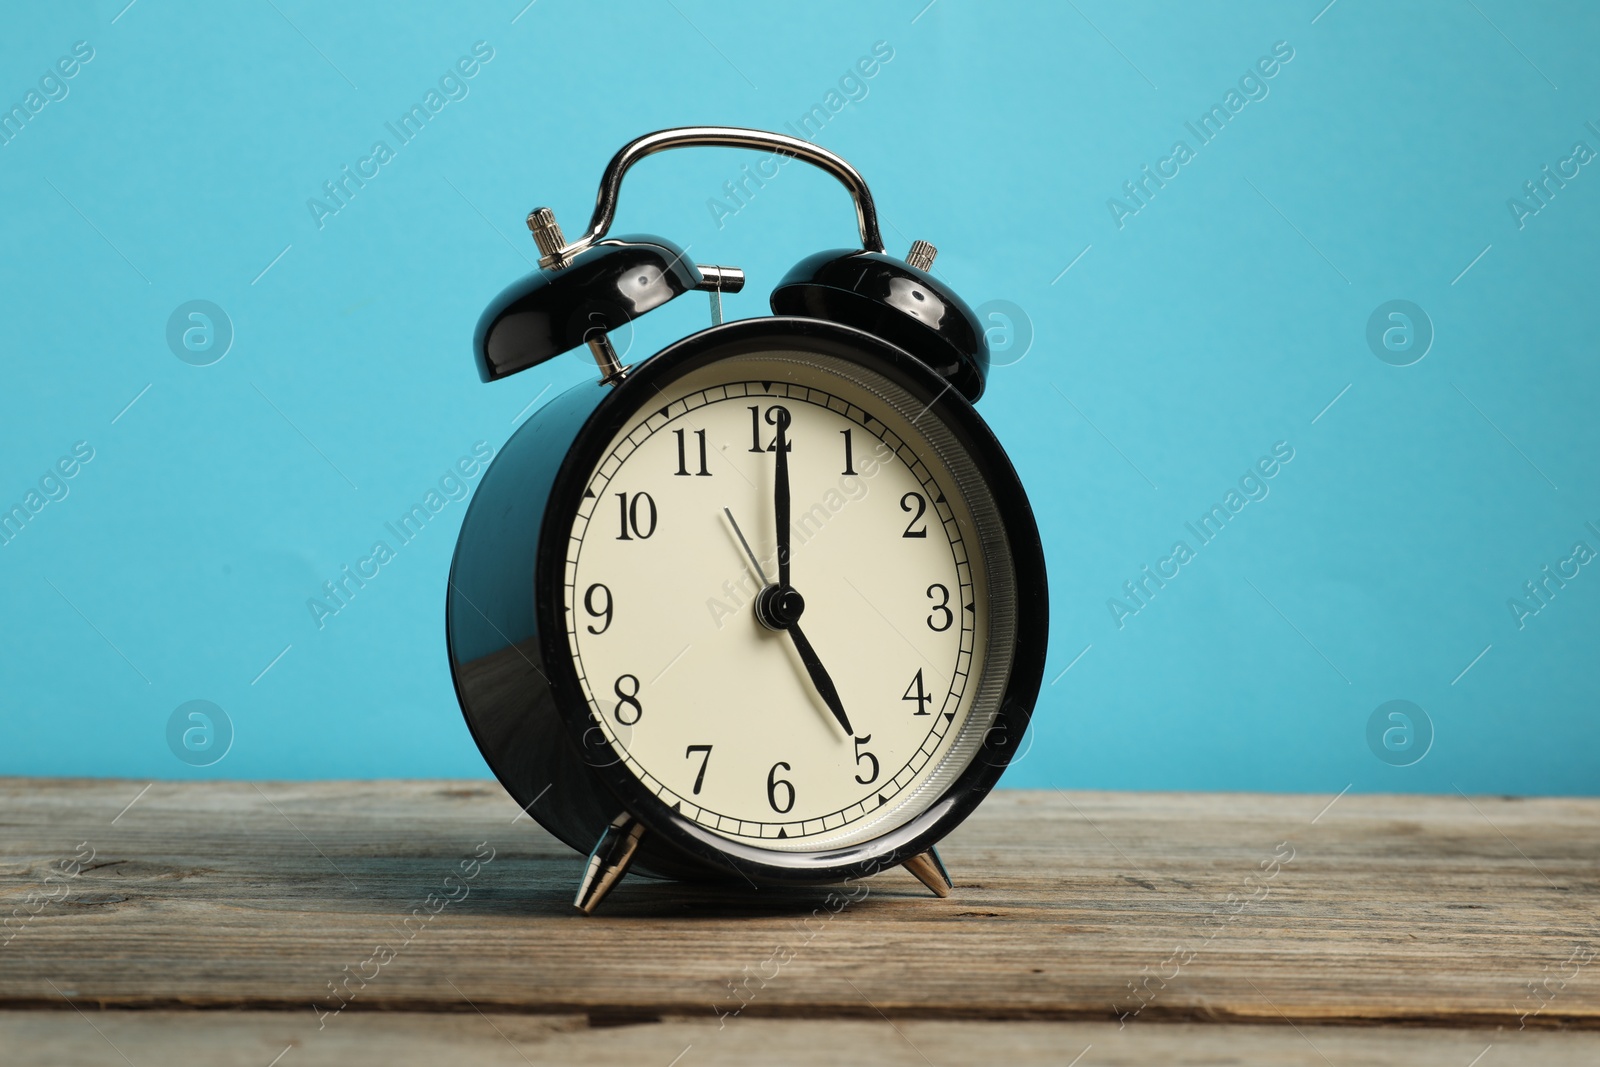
(609, 861)
(929, 869)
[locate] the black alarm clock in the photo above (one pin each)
(768, 606)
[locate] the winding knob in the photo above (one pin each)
(920, 256)
(548, 236)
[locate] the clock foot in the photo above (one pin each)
(609, 861)
(930, 871)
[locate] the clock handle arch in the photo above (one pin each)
(605, 207)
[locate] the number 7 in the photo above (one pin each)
(705, 758)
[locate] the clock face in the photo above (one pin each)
(800, 716)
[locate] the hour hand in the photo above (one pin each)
(819, 677)
(778, 607)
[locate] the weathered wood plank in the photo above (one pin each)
(1434, 910)
(402, 1039)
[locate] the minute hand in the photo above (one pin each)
(780, 497)
(819, 677)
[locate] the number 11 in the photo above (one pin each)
(683, 459)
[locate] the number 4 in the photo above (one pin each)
(921, 696)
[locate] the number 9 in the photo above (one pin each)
(598, 612)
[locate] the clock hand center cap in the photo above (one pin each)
(779, 607)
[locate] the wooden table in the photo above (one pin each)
(292, 924)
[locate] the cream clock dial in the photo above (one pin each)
(798, 692)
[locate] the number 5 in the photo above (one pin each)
(872, 775)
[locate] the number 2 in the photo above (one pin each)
(907, 503)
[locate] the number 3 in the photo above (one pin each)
(942, 595)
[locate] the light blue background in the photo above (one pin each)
(1222, 318)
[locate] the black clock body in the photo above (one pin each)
(513, 670)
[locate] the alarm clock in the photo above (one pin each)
(768, 606)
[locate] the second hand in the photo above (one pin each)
(753, 561)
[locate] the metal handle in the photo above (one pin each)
(605, 206)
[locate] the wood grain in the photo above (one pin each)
(1439, 911)
(404, 1039)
